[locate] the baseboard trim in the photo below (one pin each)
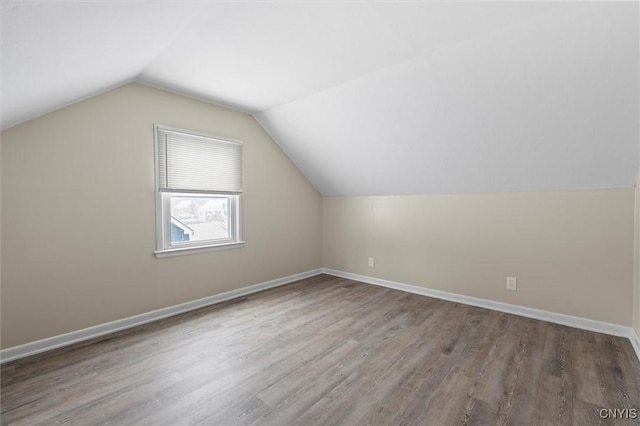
(59, 341)
(62, 340)
(539, 314)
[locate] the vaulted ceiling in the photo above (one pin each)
(366, 97)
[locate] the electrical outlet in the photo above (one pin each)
(371, 262)
(512, 283)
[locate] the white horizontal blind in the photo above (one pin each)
(196, 163)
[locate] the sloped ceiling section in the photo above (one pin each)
(365, 97)
(56, 53)
(519, 97)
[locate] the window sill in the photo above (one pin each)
(195, 250)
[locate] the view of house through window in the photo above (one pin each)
(199, 218)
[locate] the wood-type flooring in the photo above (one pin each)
(325, 351)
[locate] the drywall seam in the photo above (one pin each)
(539, 314)
(66, 339)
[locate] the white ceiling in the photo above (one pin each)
(365, 97)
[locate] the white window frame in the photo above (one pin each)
(164, 246)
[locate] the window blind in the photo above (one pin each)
(197, 163)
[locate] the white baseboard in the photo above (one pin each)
(55, 342)
(539, 314)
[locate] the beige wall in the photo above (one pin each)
(78, 215)
(636, 259)
(571, 251)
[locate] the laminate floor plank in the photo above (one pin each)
(553, 401)
(329, 351)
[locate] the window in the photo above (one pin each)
(198, 192)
